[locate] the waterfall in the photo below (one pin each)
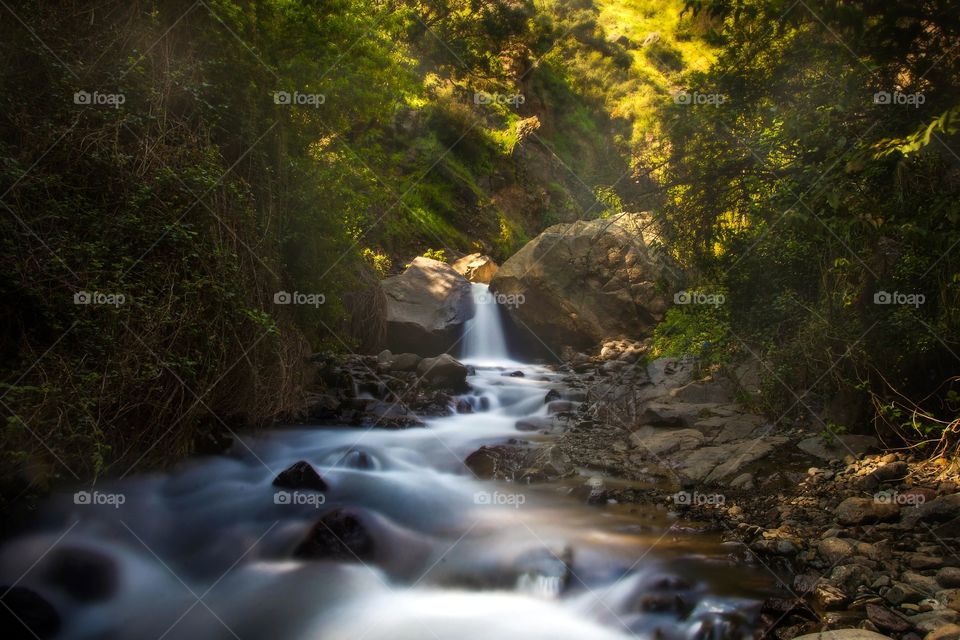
(484, 341)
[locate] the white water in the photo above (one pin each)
(205, 551)
(484, 340)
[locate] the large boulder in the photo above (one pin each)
(427, 306)
(578, 284)
(476, 267)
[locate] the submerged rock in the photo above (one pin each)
(338, 535)
(300, 475)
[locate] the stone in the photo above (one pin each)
(949, 577)
(946, 632)
(830, 597)
(921, 562)
(851, 576)
(887, 620)
(339, 535)
(838, 447)
(300, 475)
(833, 550)
(901, 592)
(844, 634)
(443, 371)
(713, 464)
(933, 620)
(857, 511)
(590, 281)
(427, 307)
(655, 443)
(476, 267)
(535, 423)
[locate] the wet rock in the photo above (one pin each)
(427, 306)
(561, 406)
(300, 475)
(443, 371)
(887, 620)
(851, 576)
(497, 461)
(338, 535)
(388, 415)
(857, 511)
(86, 574)
(464, 406)
(26, 615)
(515, 374)
(535, 423)
(322, 406)
(552, 395)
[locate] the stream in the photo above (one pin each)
(206, 550)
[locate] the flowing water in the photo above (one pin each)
(206, 551)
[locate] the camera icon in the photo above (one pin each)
(683, 98)
(82, 97)
(281, 497)
(82, 497)
(682, 297)
(282, 297)
(882, 297)
(682, 497)
(82, 297)
(481, 497)
(482, 97)
(282, 97)
(882, 97)
(883, 498)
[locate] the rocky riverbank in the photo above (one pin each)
(859, 538)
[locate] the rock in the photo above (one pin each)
(921, 562)
(851, 576)
(830, 597)
(887, 620)
(389, 415)
(497, 461)
(322, 406)
(946, 632)
(552, 395)
(901, 592)
(443, 371)
(535, 423)
(743, 481)
(403, 362)
(464, 406)
(88, 575)
(844, 634)
(561, 406)
(933, 620)
(654, 443)
(476, 267)
(892, 471)
(25, 614)
(941, 509)
(703, 392)
(857, 511)
(300, 475)
(925, 584)
(949, 577)
(589, 281)
(338, 535)
(712, 464)
(839, 446)
(427, 306)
